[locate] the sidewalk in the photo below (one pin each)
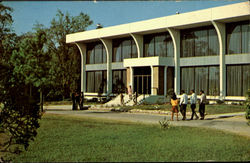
(230, 122)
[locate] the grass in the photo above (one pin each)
(67, 138)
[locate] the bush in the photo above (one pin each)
(248, 107)
(219, 101)
(19, 122)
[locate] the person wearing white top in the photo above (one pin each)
(183, 104)
(193, 100)
(202, 105)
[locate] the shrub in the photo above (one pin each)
(219, 101)
(19, 121)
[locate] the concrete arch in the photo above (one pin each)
(221, 33)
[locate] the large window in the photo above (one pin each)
(124, 48)
(96, 53)
(119, 81)
(201, 78)
(238, 80)
(238, 37)
(158, 45)
(199, 42)
(96, 81)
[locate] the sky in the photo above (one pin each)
(108, 13)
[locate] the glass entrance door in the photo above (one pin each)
(142, 84)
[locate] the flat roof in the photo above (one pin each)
(223, 14)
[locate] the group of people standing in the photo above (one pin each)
(77, 100)
(183, 105)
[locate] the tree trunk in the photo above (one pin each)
(41, 101)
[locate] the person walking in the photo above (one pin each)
(77, 96)
(193, 100)
(122, 99)
(183, 104)
(202, 105)
(130, 92)
(174, 103)
(73, 101)
(81, 100)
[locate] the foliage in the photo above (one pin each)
(94, 140)
(248, 107)
(20, 124)
(65, 57)
(164, 123)
(219, 101)
(170, 92)
(19, 115)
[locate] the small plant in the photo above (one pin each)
(164, 123)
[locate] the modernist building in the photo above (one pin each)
(207, 49)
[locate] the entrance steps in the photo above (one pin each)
(127, 101)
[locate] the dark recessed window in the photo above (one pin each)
(124, 48)
(160, 44)
(96, 53)
(238, 37)
(202, 41)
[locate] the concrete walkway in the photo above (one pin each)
(231, 122)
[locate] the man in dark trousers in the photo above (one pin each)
(202, 105)
(183, 104)
(73, 101)
(77, 100)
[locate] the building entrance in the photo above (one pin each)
(142, 80)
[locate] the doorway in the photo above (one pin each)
(142, 80)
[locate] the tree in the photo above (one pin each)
(66, 57)
(32, 62)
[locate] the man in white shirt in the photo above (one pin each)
(202, 105)
(183, 104)
(193, 100)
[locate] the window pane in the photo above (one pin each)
(246, 78)
(160, 46)
(104, 55)
(187, 43)
(214, 81)
(90, 81)
(234, 39)
(201, 44)
(126, 49)
(201, 79)
(98, 53)
(98, 82)
(149, 46)
(187, 79)
(170, 46)
(134, 49)
(246, 38)
(104, 81)
(234, 80)
(117, 51)
(213, 42)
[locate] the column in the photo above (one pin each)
(175, 34)
(221, 32)
(108, 47)
(139, 44)
(83, 50)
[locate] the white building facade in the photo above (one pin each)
(202, 50)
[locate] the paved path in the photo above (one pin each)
(232, 122)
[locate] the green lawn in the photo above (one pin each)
(67, 138)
